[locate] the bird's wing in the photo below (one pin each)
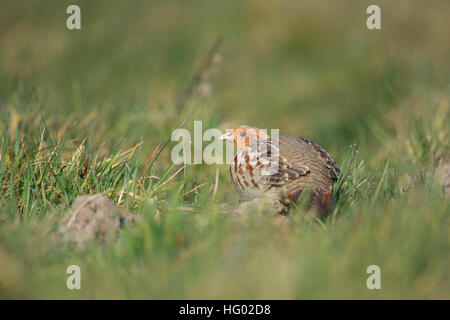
(274, 169)
(331, 165)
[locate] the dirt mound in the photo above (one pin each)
(93, 217)
(442, 175)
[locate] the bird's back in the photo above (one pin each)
(300, 151)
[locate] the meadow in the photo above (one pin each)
(90, 111)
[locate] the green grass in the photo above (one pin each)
(86, 112)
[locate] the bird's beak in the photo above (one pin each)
(226, 136)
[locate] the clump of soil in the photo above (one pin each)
(442, 175)
(93, 217)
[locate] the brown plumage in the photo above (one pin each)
(281, 169)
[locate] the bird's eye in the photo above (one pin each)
(243, 134)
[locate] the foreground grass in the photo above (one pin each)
(185, 247)
(89, 116)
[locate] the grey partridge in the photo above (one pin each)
(281, 169)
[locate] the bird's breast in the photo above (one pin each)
(248, 173)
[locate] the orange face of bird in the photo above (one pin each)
(243, 136)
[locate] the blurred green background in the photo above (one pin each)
(310, 68)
